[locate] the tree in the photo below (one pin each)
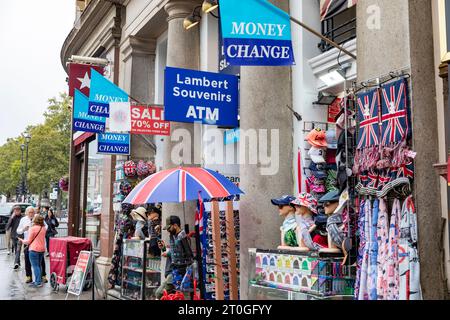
(48, 151)
(49, 148)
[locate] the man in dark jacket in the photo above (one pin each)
(179, 257)
(12, 225)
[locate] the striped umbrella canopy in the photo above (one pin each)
(182, 184)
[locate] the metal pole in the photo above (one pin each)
(318, 34)
(21, 174)
(26, 175)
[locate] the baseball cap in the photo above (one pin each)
(317, 155)
(332, 196)
(283, 200)
(172, 220)
(331, 139)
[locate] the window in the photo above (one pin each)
(339, 28)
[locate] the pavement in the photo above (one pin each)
(13, 286)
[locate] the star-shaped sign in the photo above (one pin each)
(85, 82)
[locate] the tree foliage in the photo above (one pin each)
(48, 151)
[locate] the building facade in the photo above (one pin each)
(140, 38)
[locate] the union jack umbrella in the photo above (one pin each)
(182, 184)
(368, 116)
(394, 114)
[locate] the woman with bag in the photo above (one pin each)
(36, 247)
(52, 223)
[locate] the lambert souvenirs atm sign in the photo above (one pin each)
(113, 143)
(256, 33)
(196, 96)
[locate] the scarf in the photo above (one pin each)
(393, 276)
(409, 267)
(373, 253)
(289, 223)
(363, 290)
(383, 250)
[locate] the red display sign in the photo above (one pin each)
(80, 77)
(149, 120)
(79, 273)
(333, 110)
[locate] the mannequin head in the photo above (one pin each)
(284, 205)
(330, 202)
(330, 207)
(305, 205)
(285, 210)
(303, 211)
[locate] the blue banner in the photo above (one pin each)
(258, 34)
(196, 96)
(102, 92)
(113, 143)
(82, 121)
(232, 136)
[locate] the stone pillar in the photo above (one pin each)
(265, 92)
(183, 51)
(140, 54)
(403, 37)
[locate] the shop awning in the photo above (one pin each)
(329, 8)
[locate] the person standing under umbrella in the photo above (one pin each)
(179, 257)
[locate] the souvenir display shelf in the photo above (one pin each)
(290, 275)
(141, 274)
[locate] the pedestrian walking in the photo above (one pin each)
(11, 227)
(36, 248)
(23, 231)
(52, 223)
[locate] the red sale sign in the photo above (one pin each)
(149, 120)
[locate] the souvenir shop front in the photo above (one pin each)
(352, 233)
(137, 267)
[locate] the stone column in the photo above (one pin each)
(140, 54)
(183, 51)
(393, 35)
(265, 92)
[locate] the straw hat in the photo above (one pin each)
(139, 214)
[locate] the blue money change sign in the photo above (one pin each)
(256, 33)
(113, 143)
(102, 92)
(82, 121)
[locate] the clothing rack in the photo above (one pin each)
(382, 79)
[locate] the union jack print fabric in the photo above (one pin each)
(394, 113)
(368, 116)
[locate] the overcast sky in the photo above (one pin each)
(31, 36)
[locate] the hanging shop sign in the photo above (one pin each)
(232, 136)
(224, 66)
(119, 117)
(113, 143)
(206, 97)
(149, 120)
(80, 271)
(102, 93)
(82, 121)
(258, 34)
(80, 77)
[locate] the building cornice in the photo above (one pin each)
(88, 21)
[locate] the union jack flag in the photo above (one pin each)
(406, 170)
(394, 114)
(199, 214)
(372, 180)
(368, 116)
